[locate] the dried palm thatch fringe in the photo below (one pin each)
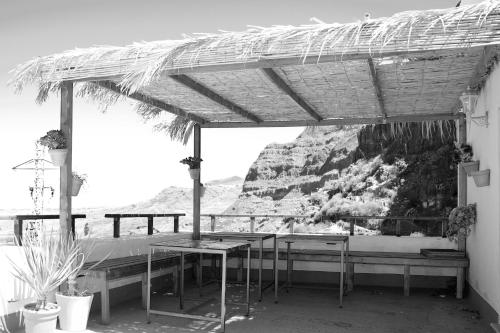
(139, 65)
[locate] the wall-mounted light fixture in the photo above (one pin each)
(469, 101)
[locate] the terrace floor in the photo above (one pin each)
(309, 310)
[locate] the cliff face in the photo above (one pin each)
(283, 177)
(353, 170)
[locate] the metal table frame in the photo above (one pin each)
(250, 237)
(200, 246)
(329, 240)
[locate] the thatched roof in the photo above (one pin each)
(409, 67)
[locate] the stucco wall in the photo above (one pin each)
(483, 245)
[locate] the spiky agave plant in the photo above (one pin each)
(49, 260)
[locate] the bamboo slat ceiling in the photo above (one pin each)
(412, 66)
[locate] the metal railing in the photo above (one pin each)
(19, 221)
(116, 221)
(352, 220)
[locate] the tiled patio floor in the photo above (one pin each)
(311, 310)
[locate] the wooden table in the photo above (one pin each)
(249, 237)
(198, 246)
(289, 239)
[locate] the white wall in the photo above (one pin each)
(483, 245)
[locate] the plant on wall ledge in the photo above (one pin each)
(57, 144)
(460, 221)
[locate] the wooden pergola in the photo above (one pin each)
(411, 67)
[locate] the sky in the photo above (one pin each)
(124, 159)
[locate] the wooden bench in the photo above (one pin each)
(406, 260)
(118, 272)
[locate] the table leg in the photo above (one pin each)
(248, 280)
(341, 273)
(200, 274)
(181, 284)
(289, 266)
(223, 294)
(348, 268)
(148, 296)
(261, 245)
(276, 271)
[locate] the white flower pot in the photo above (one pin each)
(42, 321)
(481, 178)
(75, 187)
(58, 156)
(470, 167)
(74, 312)
(194, 173)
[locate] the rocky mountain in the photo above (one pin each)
(353, 170)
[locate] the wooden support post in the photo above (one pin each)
(66, 177)
(252, 224)
(351, 227)
(196, 185)
(116, 227)
(212, 222)
(18, 231)
(150, 225)
(176, 224)
(462, 177)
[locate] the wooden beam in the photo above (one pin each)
(280, 83)
(270, 62)
(462, 177)
(205, 91)
(196, 185)
(376, 86)
(338, 121)
(152, 101)
(65, 175)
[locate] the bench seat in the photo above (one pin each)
(118, 272)
(407, 260)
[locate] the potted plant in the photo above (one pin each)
(463, 156)
(78, 181)
(194, 166)
(56, 142)
(481, 177)
(75, 301)
(45, 265)
(460, 221)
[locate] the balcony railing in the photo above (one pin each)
(19, 221)
(353, 221)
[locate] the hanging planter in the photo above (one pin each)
(56, 142)
(194, 173)
(481, 178)
(77, 183)
(194, 166)
(470, 167)
(58, 156)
